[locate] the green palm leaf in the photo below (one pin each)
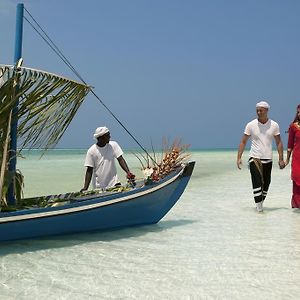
(47, 105)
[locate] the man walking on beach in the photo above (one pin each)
(262, 131)
(100, 162)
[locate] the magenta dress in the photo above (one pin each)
(294, 144)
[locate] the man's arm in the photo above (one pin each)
(124, 166)
(280, 151)
(241, 150)
(87, 179)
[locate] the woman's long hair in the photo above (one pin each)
(296, 119)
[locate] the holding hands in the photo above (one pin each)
(281, 164)
(287, 161)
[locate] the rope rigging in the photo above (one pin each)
(39, 30)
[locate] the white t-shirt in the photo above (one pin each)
(261, 138)
(102, 160)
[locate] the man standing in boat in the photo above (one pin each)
(262, 131)
(100, 162)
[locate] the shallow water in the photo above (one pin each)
(211, 245)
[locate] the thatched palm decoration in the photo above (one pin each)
(47, 104)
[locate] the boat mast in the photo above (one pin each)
(14, 125)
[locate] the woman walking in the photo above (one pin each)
(294, 148)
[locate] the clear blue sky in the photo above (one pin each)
(192, 69)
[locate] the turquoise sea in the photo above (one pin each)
(211, 245)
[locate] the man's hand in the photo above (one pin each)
(281, 164)
(239, 163)
(130, 176)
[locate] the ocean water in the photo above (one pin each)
(211, 245)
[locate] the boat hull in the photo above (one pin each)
(142, 206)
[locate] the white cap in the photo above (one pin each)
(263, 104)
(100, 131)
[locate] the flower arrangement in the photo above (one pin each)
(172, 157)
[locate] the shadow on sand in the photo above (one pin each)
(275, 208)
(267, 209)
(61, 241)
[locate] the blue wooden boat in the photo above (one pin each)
(140, 206)
(25, 97)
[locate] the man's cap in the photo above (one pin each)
(263, 104)
(100, 131)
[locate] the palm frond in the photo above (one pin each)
(47, 103)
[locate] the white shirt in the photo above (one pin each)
(261, 138)
(102, 160)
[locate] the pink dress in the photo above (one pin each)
(294, 144)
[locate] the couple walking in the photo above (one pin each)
(262, 132)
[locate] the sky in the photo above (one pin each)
(168, 69)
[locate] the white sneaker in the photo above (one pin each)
(259, 206)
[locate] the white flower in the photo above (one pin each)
(147, 172)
